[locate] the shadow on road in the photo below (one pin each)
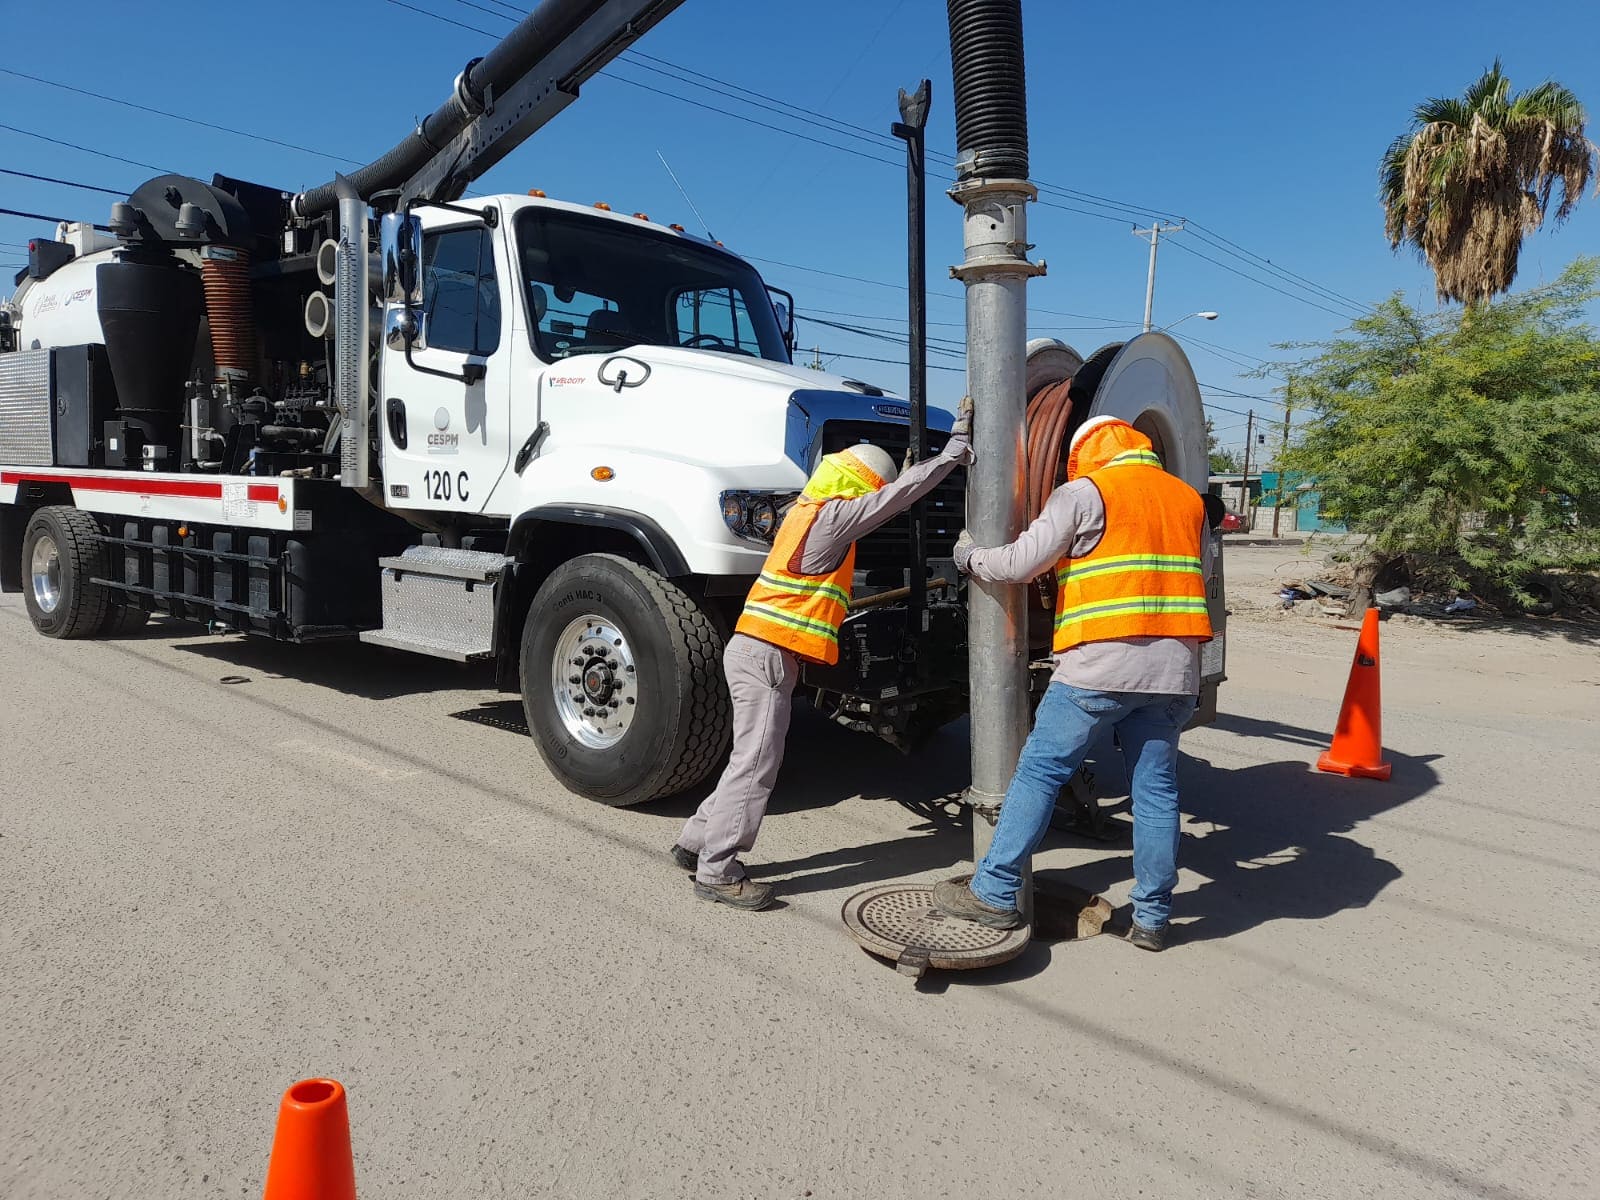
(824, 765)
(350, 667)
(1272, 839)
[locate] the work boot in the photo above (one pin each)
(746, 894)
(686, 860)
(954, 898)
(1153, 940)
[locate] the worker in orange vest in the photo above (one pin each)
(1131, 553)
(793, 613)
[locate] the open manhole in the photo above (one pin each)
(900, 923)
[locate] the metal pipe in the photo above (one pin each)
(351, 349)
(991, 162)
(996, 274)
(910, 129)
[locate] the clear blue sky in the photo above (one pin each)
(1262, 121)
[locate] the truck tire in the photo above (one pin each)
(61, 553)
(622, 682)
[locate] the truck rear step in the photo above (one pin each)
(440, 602)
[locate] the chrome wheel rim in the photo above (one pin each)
(595, 682)
(44, 569)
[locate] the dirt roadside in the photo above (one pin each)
(1531, 665)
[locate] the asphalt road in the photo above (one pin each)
(348, 865)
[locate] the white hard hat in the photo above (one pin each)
(1089, 427)
(877, 460)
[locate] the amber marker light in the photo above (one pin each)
(602, 474)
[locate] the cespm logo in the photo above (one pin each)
(899, 412)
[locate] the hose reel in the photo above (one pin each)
(1146, 381)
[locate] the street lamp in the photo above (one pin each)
(1207, 314)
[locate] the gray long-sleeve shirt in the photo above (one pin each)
(841, 522)
(1071, 526)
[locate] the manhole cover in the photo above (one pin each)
(900, 923)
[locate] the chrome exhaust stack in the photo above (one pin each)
(351, 346)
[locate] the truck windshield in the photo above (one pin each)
(595, 285)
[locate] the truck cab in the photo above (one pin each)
(600, 414)
(568, 357)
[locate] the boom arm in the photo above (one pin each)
(500, 99)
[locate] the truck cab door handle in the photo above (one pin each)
(531, 446)
(395, 414)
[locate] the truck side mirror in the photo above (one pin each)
(401, 240)
(783, 309)
(401, 328)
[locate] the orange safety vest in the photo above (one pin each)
(1143, 578)
(800, 613)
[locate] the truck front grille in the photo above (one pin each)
(890, 546)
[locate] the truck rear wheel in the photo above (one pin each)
(622, 682)
(61, 554)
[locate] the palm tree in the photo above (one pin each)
(1475, 175)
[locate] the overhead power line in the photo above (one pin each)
(87, 187)
(900, 287)
(33, 216)
(1102, 323)
(893, 362)
(132, 162)
(161, 112)
(1116, 211)
(1343, 316)
(737, 117)
(1212, 236)
(935, 345)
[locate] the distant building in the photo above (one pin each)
(1303, 511)
(1230, 488)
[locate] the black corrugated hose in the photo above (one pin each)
(990, 88)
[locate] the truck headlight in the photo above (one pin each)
(763, 518)
(755, 514)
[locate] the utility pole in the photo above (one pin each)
(1154, 235)
(1244, 499)
(1283, 446)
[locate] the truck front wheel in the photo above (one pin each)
(61, 555)
(622, 682)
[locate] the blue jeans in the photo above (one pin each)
(1068, 723)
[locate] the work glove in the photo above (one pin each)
(959, 447)
(963, 426)
(963, 551)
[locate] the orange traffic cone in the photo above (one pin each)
(1358, 740)
(311, 1150)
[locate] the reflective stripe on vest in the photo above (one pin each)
(1144, 578)
(799, 613)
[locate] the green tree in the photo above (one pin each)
(1475, 443)
(1475, 174)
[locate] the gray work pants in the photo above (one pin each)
(761, 680)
